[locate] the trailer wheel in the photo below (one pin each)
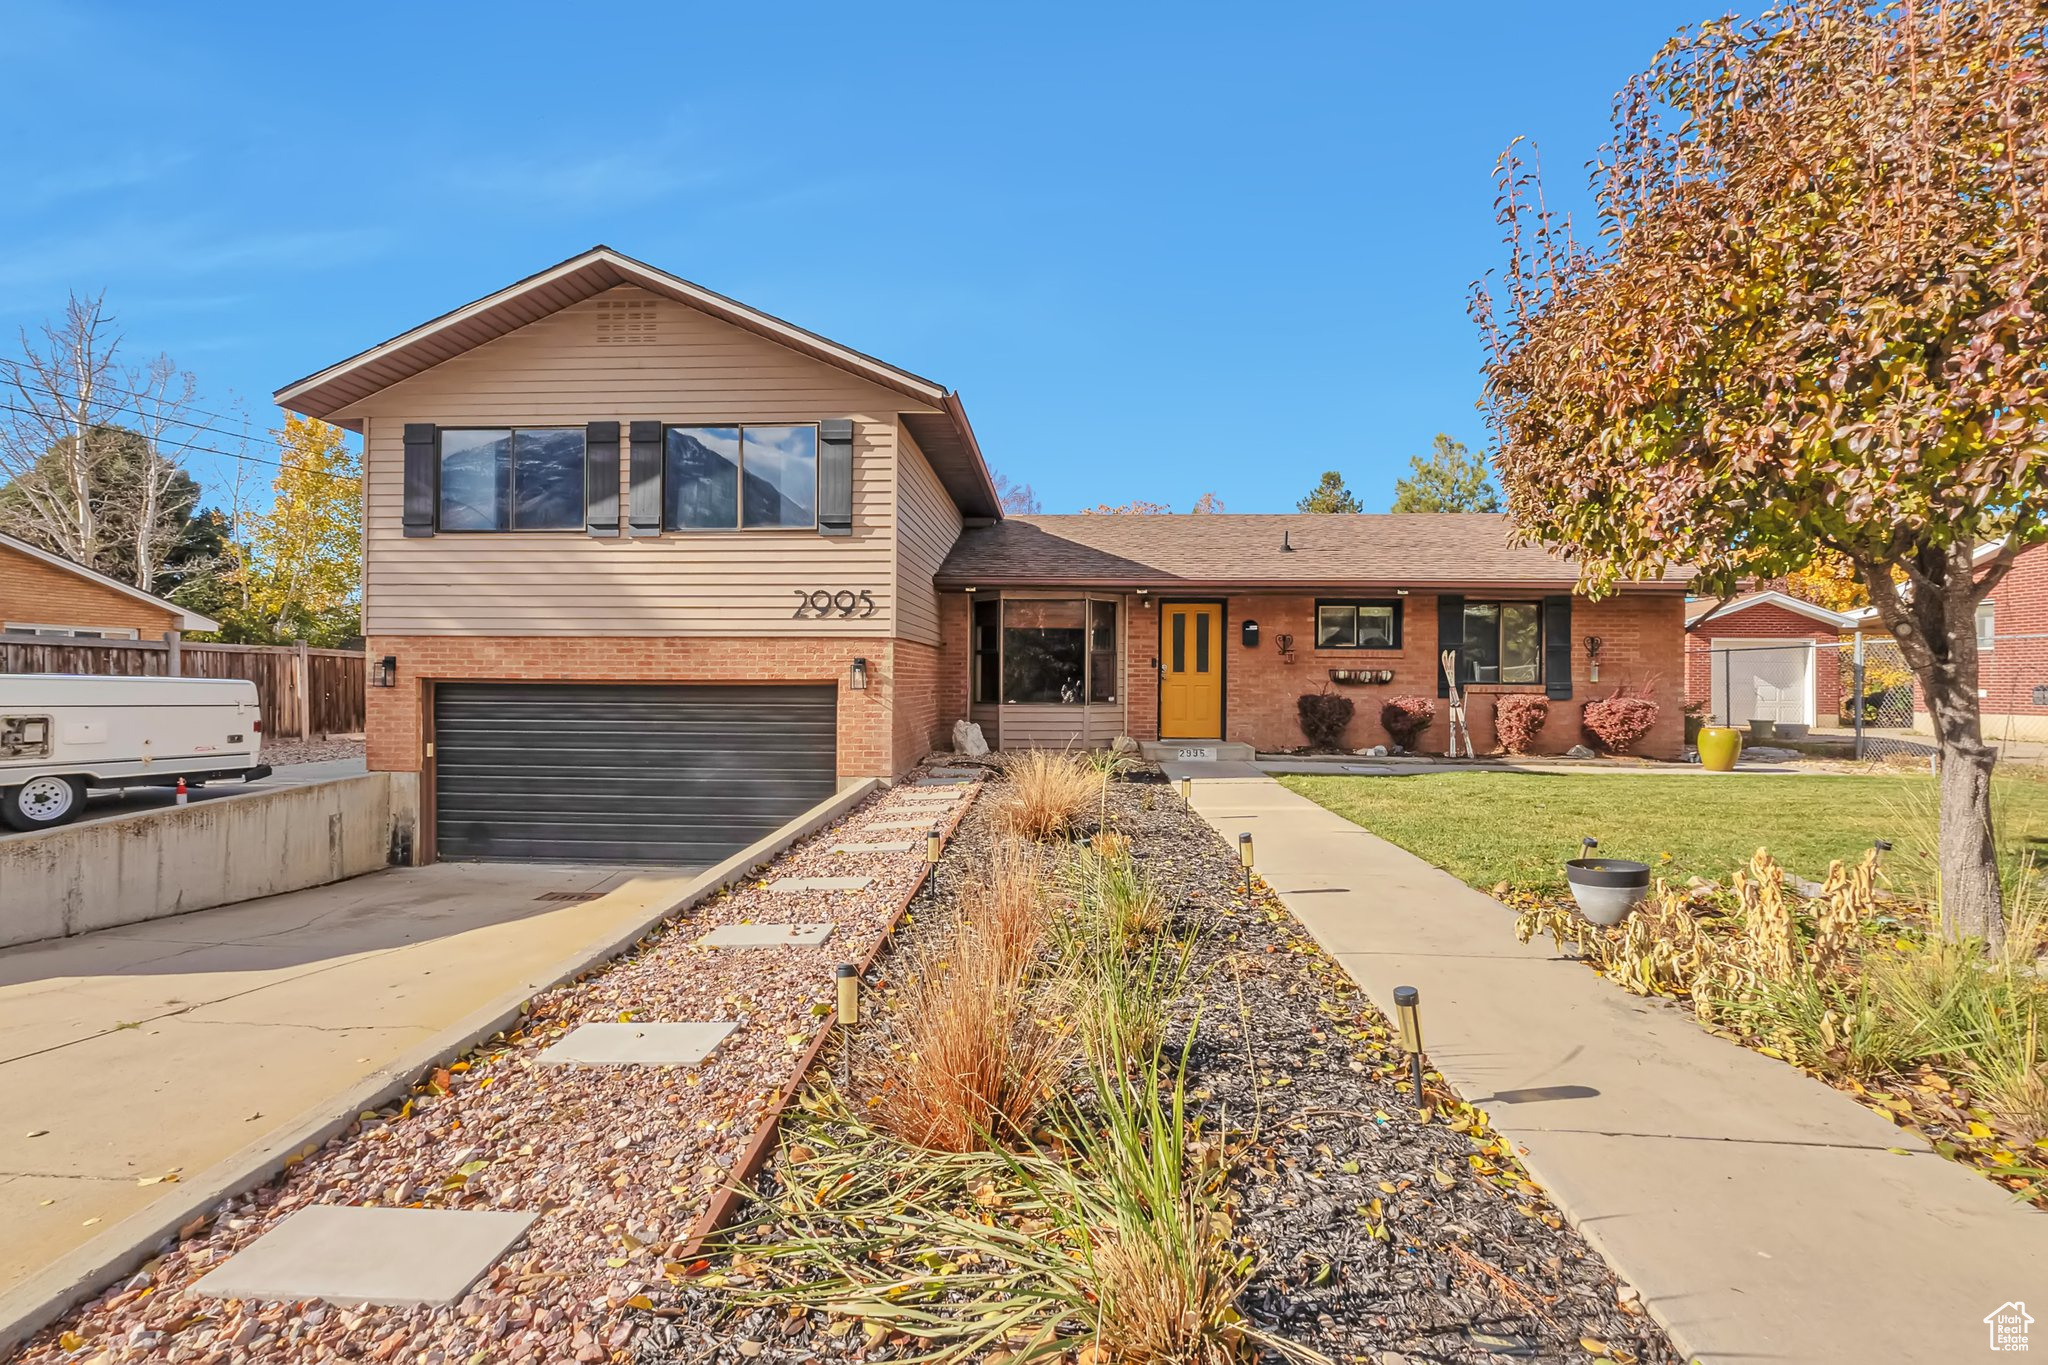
(42, 802)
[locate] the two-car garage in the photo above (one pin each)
(625, 773)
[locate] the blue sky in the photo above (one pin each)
(1158, 250)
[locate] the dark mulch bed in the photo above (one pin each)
(1380, 1235)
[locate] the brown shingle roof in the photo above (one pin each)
(1190, 550)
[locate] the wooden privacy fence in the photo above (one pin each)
(303, 691)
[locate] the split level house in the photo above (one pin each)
(648, 571)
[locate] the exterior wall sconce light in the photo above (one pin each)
(384, 673)
(1244, 856)
(857, 676)
(1408, 1006)
(1594, 644)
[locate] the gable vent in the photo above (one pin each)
(625, 322)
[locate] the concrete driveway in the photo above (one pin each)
(156, 1050)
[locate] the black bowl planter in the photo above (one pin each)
(1607, 888)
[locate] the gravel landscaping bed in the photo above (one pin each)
(318, 749)
(617, 1161)
(1378, 1234)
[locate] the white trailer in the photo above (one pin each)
(61, 733)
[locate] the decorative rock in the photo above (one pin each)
(968, 739)
(1123, 744)
(1579, 751)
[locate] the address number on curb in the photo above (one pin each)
(819, 603)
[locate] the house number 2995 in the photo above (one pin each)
(820, 603)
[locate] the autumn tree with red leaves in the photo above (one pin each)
(1811, 321)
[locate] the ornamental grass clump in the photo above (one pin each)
(1049, 793)
(970, 1055)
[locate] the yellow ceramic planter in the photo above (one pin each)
(1720, 746)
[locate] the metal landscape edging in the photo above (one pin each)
(729, 1196)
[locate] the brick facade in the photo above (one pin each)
(882, 730)
(34, 593)
(1642, 635)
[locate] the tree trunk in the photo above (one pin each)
(1936, 627)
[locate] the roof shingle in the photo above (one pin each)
(1227, 550)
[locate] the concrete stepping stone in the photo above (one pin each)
(942, 782)
(952, 772)
(637, 1044)
(769, 935)
(892, 846)
(790, 885)
(931, 796)
(884, 826)
(399, 1258)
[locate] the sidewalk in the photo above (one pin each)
(1762, 1215)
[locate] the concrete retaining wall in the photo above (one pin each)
(165, 862)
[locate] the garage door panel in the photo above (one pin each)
(626, 773)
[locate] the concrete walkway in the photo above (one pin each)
(1762, 1215)
(159, 1049)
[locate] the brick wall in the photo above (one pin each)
(918, 724)
(1642, 635)
(2016, 664)
(870, 742)
(37, 594)
(1767, 621)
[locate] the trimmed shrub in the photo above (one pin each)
(1615, 722)
(1517, 718)
(1324, 716)
(1405, 718)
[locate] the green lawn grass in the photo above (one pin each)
(1491, 827)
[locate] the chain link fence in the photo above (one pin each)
(1858, 693)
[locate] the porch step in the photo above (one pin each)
(1197, 751)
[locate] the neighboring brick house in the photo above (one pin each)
(1766, 656)
(647, 572)
(46, 596)
(2012, 652)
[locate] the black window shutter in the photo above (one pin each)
(645, 517)
(422, 442)
(1450, 634)
(835, 478)
(601, 478)
(1557, 647)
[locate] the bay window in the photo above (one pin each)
(1045, 651)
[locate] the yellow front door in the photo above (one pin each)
(1191, 671)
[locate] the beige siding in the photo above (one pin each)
(928, 524)
(556, 372)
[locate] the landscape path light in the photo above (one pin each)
(934, 845)
(1408, 1008)
(847, 978)
(1244, 856)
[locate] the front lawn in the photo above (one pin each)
(1492, 827)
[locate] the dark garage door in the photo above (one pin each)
(612, 773)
